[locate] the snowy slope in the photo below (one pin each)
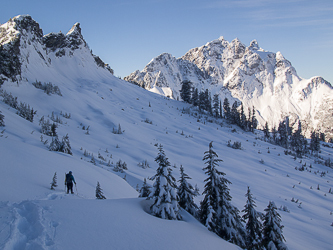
(35, 217)
(250, 75)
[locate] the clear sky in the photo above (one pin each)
(127, 34)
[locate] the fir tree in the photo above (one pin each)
(185, 91)
(208, 213)
(55, 145)
(283, 134)
(243, 121)
(234, 115)
(254, 120)
(266, 131)
(253, 223)
(99, 192)
(216, 106)
(2, 122)
(145, 190)
(186, 193)
(164, 192)
(216, 211)
(297, 141)
(226, 109)
(272, 231)
(201, 102)
(195, 97)
(65, 145)
(315, 142)
(54, 181)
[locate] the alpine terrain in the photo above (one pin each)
(152, 172)
(249, 75)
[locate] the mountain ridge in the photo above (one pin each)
(246, 74)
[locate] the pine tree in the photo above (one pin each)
(208, 213)
(145, 190)
(315, 142)
(99, 192)
(297, 141)
(254, 119)
(226, 108)
(65, 145)
(185, 91)
(230, 222)
(234, 114)
(216, 211)
(54, 181)
(195, 97)
(164, 192)
(186, 193)
(272, 231)
(253, 223)
(283, 134)
(266, 131)
(2, 122)
(216, 106)
(243, 121)
(55, 145)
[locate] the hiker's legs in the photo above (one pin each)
(69, 187)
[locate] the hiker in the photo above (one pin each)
(69, 182)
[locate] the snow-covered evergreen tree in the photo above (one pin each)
(55, 145)
(208, 212)
(243, 121)
(254, 120)
(145, 190)
(216, 105)
(234, 114)
(272, 231)
(315, 142)
(65, 145)
(226, 108)
(298, 143)
(164, 192)
(216, 211)
(54, 181)
(195, 97)
(186, 91)
(253, 223)
(2, 122)
(99, 192)
(230, 222)
(266, 131)
(186, 193)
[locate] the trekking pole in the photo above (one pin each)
(65, 184)
(76, 189)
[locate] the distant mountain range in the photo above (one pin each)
(250, 75)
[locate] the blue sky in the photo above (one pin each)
(127, 34)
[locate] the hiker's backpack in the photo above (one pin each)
(68, 178)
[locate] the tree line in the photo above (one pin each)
(234, 114)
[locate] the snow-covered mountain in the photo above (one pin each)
(27, 55)
(251, 75)
(32, 216)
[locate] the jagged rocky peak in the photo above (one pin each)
(254, 45)
(26, 23)
(73, 39)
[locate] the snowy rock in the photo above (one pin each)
(250, 75)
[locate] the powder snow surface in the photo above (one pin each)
(34, 217)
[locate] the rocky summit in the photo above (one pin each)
(246, 74)
(25, 52)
